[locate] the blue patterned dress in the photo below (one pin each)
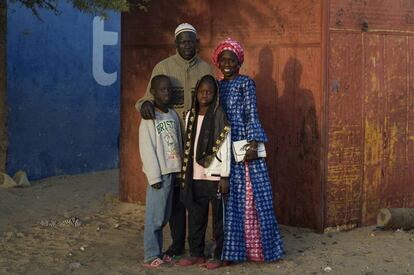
(238, 99)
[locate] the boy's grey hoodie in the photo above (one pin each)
(160, 145)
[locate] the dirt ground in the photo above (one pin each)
(109, 238)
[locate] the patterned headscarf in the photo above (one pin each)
(228, 44)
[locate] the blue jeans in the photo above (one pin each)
(157, 212)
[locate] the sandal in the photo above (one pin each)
(191, 261)
(157, 262)
(213, 264)
(171, 259)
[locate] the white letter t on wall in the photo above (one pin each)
(100, 39)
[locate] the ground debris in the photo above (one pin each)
(9, 235)
(111, 198)
(21, 179)
(6, 181)
(72, 221)
(75, 265)
(327, 269)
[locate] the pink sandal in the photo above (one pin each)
(191, 261)
(213, 264)
(157, 262)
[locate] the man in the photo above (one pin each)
(184, 69)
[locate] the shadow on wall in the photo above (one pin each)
(267, 96)
(298, 156)
(291, 124)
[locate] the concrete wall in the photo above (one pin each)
(3, 110)
(63, 92)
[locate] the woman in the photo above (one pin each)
(250, 231)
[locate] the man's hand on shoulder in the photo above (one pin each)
(147, 110)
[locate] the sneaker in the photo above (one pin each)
(191, 261)
(157, 262)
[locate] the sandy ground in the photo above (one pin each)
(109, 241)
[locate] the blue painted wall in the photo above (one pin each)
(63, 114)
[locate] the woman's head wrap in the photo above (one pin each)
(228, 44)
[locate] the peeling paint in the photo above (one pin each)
(375, 64)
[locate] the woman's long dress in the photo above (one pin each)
(251, 231)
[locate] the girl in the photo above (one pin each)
(206, 167)
(251, 230)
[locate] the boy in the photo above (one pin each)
(160, 149)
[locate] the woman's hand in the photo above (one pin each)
(223, 185)
(251, 153)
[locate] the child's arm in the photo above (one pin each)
(179, 134)
(225, 156)
(180, 144)
(147, 150)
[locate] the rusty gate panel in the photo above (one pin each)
(395, 140)
(386, 29)
(264, 28)
(345, 130)
(368, 116)
(298, 137)
(374, 125)
(267, 22)
(384, 15)
(410, 146)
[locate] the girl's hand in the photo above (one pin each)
(223, 185)
(251, 153)
(157, 185)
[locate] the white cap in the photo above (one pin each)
(184, 27)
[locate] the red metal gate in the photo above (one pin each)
(370, 153)
(335, 96)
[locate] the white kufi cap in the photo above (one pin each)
(184, 27)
